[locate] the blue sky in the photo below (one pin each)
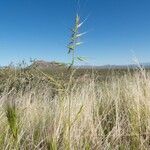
(39, 29)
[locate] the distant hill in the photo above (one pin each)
(40, 64)
(45, 65)
(131, 66)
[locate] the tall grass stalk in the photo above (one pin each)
(73, 44)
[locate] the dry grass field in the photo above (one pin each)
(92, 114)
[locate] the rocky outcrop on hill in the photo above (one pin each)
(40, 64)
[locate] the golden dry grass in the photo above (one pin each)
(112, 114)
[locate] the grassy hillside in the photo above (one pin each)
(106, 109)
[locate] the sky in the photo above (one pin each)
(117, 30)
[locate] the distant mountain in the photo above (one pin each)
(53, 65)
(131, 66)
(40, 64)
(146, 65)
